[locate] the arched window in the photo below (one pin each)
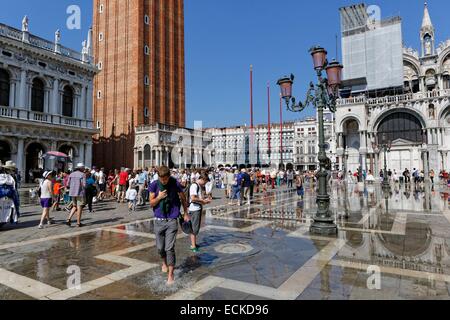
(67, 107)
(37, 96)
(4, 88)
(147, 152)
(446, 81)
(401, 125)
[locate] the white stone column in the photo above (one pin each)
(425, 166)
(195, 158)
(151, 157)
(446, 164)
(376, 167)
(160, 160)
(23, 90)
(157, 156)
(82, 104)
(12, 92)
(81, 154)
(76, 106)
(136, 159)
(60, 98)
(20, 157)
(47, 101)
(88, 156)
(89, 98)
(55, 97)
(29, 95)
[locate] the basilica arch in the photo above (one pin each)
(405, 129)
(351, 128)
(6, 150)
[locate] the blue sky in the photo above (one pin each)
(224, 37)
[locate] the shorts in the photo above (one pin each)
(78, 202)
(196, 220)
(122, 188)
(46, 203)
(102, 187)
(56, 198)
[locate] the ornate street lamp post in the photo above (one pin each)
(385, 147)
(322, 95)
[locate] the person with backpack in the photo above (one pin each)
(196, 208)
(90, 190)
(166, 198)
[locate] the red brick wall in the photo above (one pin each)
(121, 80)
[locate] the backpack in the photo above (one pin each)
(189, 192)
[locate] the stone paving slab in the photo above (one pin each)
(262, 251)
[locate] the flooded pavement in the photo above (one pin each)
(390, 246)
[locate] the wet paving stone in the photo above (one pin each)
(406, 232)
(7, 293)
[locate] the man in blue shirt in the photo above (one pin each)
(166, 198)
(244, 183)
(142, 183)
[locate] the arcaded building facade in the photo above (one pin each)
(139, 49)
(45, 100)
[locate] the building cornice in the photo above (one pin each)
(47, 55)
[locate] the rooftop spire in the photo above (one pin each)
(426, 22)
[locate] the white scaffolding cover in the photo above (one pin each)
(374, 53)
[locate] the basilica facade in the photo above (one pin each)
(414, 123)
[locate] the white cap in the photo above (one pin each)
(46, 174)
(80, 165)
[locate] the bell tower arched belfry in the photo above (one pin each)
(427, 34)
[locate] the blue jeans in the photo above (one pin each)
(236, 193)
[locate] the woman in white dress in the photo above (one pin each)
(9, 199)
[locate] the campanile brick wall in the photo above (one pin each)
(124, 95)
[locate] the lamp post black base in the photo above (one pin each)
(324, 229)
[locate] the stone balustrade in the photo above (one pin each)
(12, 33)
(409, 97)
(27, 115)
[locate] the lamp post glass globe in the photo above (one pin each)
(334, 75)
(319, 56)
(285, 84)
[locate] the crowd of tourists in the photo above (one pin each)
(176, 196)
(84, 187)
(414, 176)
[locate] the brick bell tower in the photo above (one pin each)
(139, 49)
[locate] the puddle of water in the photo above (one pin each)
(156, 281)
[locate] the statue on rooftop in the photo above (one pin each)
(25, 24)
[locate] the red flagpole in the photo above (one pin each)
(251, 97)
(268, 109)
(281, 128)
